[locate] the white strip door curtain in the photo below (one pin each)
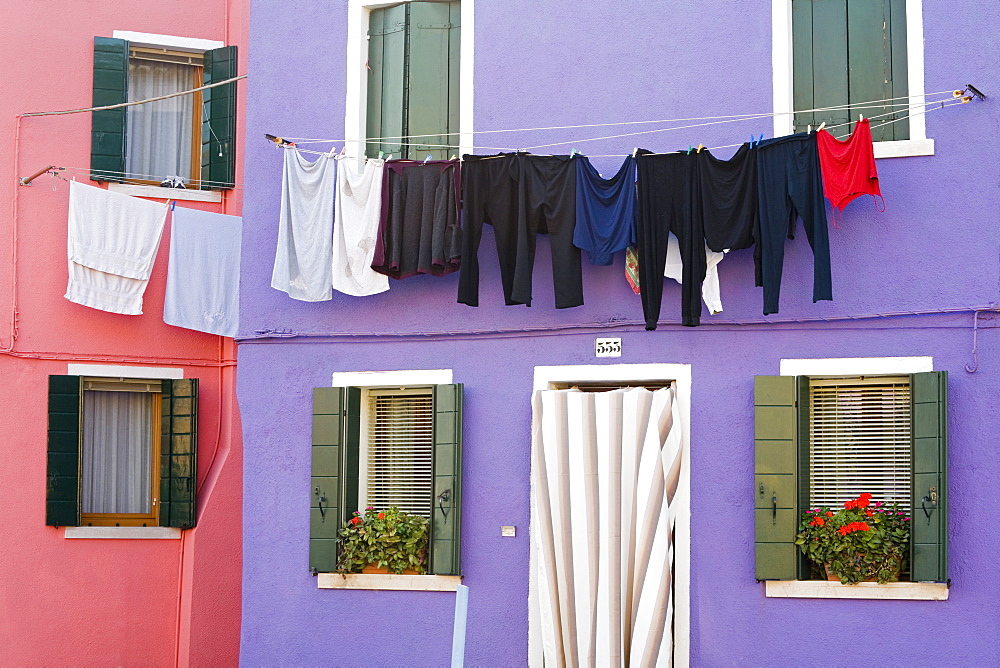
(605, 469)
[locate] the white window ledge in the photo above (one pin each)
(913, 591)
(155, 533)
(158, 192)
(905, 148)
(389, 582)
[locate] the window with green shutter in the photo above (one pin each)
(413, 79)
(121, 452)
(851, 52)
(190, 136)
(387, 447)
(821, 441)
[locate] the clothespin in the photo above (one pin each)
(454, 157)
(861, 117)
(760, 139)
(380, 154)
(390, 157)
(173, 204)
(572, 153)
(428, 158)
(635, 151)
(700, 146)
(821, 126)
(343, 151)
(689, 149)
(809, 129)
(333, 152)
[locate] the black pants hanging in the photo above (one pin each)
(667, 195)
(789, 186)
(521, 196)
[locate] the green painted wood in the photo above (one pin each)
(326, 510)
(899, 70)
(376, 27)
(351, 461)
(427, 78)
(218, 124)
(454, 73)
(830, 63)
(62, 486)
(446, 516)
(775, 477)
(178, 453)
(869, 67)
(107, 127)
(929, 538)
(802, 64)
(392, 106)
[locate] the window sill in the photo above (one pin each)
(389, 582)
(906, 148)
(914, 591)
(156, 533)
(158, 192)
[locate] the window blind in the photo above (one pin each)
(399, 450)
(859, 440)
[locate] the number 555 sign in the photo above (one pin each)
(608, 348)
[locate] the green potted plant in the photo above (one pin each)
(384, 541)
(863, 541)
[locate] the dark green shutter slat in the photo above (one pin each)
(108, 127)
(830, 66)
(386, 115)
(802, 65)
(869, 76)
(454, 73)
(218, 131)
(775, 477)
(62, 488)
(179, 453)
(325, 514)
(803, 413)
(351, 461)
(900, 83)
(929, 539)
(429, 55)
(446, 516)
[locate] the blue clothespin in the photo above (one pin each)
(760, 138)
(428, 158)
(173, 205)
(751, 140)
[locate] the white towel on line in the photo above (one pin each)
(111, 245)
(302, 262)
(203, 272)
(358, 210)
(710, 288)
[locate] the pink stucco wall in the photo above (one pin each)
(101, 602)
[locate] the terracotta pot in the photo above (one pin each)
(372, 569)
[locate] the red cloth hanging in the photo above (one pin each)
(848, 166)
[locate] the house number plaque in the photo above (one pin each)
(608, 348)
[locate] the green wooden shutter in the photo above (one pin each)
(179, 453)
(432, 73)
(62, 488)
(929, 537)
(446, 515)
(108, 127)
(776, 474)
(325, 516)
(387, 80)
(218, 125)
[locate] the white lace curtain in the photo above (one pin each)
(159, 133)
(117, 451)
(605, 469)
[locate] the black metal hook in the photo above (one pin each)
(319, 503)
(443, 498)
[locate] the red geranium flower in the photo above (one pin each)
(829, 514)
(381, 516)
(356, 520)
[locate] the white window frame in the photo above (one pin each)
(121, 371)
(371, 380)
(549, 377)
(355, 116)
(781, 62)
(856, 366)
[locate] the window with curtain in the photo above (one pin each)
(163, 136)
(117, 455)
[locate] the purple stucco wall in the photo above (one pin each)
(547, 63)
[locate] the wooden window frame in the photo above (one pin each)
(196, 63)
(152, 518)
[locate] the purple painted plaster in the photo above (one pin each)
(549, 63)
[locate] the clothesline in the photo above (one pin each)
(927, 106)
(858, 105)
(86, 171)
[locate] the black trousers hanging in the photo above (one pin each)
(667, 203)
(789, 186)
(521, 196)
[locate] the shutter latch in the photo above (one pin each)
(443, 498)
(932, 498)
